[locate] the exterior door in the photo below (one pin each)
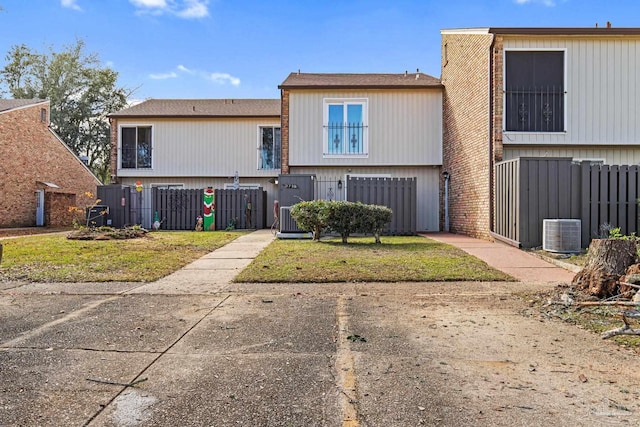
(39, 208)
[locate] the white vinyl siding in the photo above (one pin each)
(603, 90)
(203, 148)
(404, 127)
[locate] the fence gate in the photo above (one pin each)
(242, 208)
(398, 194)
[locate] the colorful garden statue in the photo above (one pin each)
(247, 211)
(156, 221)
(209, 209)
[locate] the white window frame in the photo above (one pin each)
(504, 90)
(230, 186)
(364, 102)
(169, 186)
(259, 137)
(136, 125)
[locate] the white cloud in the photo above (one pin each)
(194, 9)
(549, 3)
(71, 4)
(171, 75)
(149, 3)
(188, 9)
(215, 77)
(223, 78)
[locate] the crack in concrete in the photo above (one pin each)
(150, 364)
(345, 368)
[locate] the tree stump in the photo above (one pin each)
(608, 259)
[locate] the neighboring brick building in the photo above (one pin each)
(37, 168)
(533, 92)
(466, 141)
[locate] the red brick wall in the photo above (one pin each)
(466, 128)
(30, 152)
(56, 208)
(114, 150)
(497, 72)
(284, 131)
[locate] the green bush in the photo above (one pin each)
(343, 218)
(311, 216)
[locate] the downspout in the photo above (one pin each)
(446, 176)
(491, 144)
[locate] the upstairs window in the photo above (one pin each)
(269, 147)
(136, 146)
(534, 91)
(345, 127)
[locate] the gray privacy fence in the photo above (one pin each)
(529, 190)
(126, 205)
(244, 208)
(398, 194)
(178, 209)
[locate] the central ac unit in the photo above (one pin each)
(561, 235)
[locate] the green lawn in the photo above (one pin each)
(54, 258)
(397, 259)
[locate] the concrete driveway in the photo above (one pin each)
(445, 354)
(195, 350)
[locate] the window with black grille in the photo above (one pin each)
(534, 91)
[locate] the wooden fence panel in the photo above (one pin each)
(232, 207)
(178, 208)
(549, 188)
(398, 194)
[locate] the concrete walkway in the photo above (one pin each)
(211, 273)
(519, 264)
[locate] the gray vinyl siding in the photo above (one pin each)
(405, 127)
(603, 90)
(202, 147)
(619, 155)
(428, 178)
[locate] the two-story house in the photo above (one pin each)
(374, 125)
(533, 92)
(40, 177)
(198, 143)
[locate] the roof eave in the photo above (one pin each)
(355, 87)
(564, 31)
(192, 116)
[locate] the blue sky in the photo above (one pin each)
(245, 48)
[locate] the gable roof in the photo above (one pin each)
(12, 104)
(359, 81)
(173, 108)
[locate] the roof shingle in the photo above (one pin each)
(10, 104)
(203, 108)
(355, 81)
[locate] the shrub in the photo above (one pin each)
(311, 216)
(343, 218)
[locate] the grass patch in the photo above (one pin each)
(54, 258)
(397, 259)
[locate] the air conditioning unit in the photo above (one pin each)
(561, 235)
(287, 223)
